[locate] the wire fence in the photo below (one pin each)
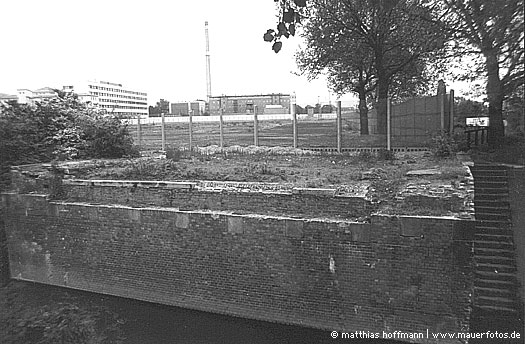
(412, 124)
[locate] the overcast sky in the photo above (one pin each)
(155, 46)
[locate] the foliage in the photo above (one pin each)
(385, 154)
(468, 108)
(70, 320)
(173, 153)
(365, 156)
(365, 46)
(291, 12)
(106, 137)
(162, 106)
(61, 128)
(63, 324)
(57, 175)
(444, 145)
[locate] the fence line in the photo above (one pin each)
(227, 118)
(409, 124)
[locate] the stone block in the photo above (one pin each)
(235, 225)
(294, 228)
(182, 220)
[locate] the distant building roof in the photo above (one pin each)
(8, 96)
(45, 89)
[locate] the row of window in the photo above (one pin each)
(123, 107)
(117, 95)
(258, 101)
(118, 90)
(121, 101)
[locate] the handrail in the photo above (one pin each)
(480, 135)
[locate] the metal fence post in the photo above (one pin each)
(339, 127)
(190, 128)
(163, 133)
(451, 112)
(255, 126)
(388, 124)
(221, 129)
(441, 100)
(294, 120)
(139, 131)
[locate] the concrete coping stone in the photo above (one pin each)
(314, 191)
(131, 183)
(341, 222)
(427, 172)
(212, 186)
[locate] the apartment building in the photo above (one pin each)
(266, 104)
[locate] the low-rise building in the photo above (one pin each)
(197, 107)
(27, 96)
(265, 103)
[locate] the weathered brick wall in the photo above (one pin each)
(395, 273)
(186, 196)
(4, 259)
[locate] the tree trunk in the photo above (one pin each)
(363, 113)
(496, 130)
(382, 95)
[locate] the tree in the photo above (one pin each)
(327, 50)
(162, 106)
(494, 30)
(394, 36)
(62, 128)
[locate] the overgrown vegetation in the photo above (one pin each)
(446, 146)
(62, 128)
(31, 314)
(511, 151)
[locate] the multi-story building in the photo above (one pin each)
(112, 97)
(266, 103)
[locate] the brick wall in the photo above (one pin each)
(187, 196)
(4, 259)
(395, 273)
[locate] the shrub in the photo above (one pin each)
(365, 155)
(55, 182)
(443, 145)
(62, 128)
(64, 323)
(385, 154)
(106, 137)
(173, 153)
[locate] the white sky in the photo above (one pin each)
(153, 46)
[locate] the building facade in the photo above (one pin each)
(112, 97)
(274, 103)
(198, 108)
(26, 96)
